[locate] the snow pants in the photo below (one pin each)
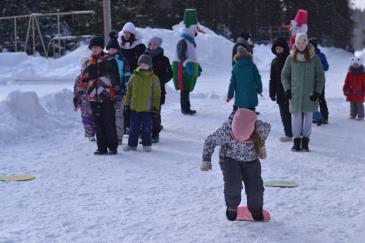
(286, 118)
(357, 108)
(156, 123)
(323, 105)
(234, 172)
(302, 124)
(185, 101)
(106, 133)
(87, 118)
(119, 119)
(140, 120)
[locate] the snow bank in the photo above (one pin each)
(214, 52)
(21, 67)
(25, 115)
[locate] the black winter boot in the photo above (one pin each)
(256, 213)
(305, 142)
(231, 214)
(296, 145)
(189, 112)
(155, 138)
(101, 152)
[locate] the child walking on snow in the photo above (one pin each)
(143, 97)
(242, 143)
(354, 88)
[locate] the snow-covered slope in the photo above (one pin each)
(162, 196)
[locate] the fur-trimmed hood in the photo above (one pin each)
(280, 42)
(127, 45)
(300, 56)
(241, 56)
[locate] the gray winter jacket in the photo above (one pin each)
(229, 148)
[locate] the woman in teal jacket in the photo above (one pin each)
(245, 81)
(303, 79)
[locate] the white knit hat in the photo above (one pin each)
(356, 60)
(129, 27)
(301, 38)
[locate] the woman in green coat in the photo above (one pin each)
(303, 81)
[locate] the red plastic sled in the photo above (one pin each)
(243, 214)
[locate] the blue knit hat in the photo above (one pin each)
(113, 42)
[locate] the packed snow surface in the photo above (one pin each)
(163, 196)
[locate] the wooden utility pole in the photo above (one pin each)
(107, 19)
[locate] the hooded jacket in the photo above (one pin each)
(276, 88)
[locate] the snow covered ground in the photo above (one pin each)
(163, 196)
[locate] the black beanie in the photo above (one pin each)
(96, 41)
(113, 42)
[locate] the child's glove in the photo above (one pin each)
(76, 102)
(117, 105)
(314, 96)
(155, 111)
(262, 154)
(206, 166)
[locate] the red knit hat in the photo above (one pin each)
(243, 124)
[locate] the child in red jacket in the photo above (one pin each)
(354, 88)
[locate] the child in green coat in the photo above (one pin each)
(245, 81)
(143, 97)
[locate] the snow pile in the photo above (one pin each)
(21, 67)
(24, 115)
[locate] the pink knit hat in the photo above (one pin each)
(243, 124)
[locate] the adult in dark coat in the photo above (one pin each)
(280, 49)
(162, 69)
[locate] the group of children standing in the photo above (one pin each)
(122, 90)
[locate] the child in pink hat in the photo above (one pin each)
(242, 143)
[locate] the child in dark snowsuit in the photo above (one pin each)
(354, 88)
(162, 69)
(280, 49)
(242, 143)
